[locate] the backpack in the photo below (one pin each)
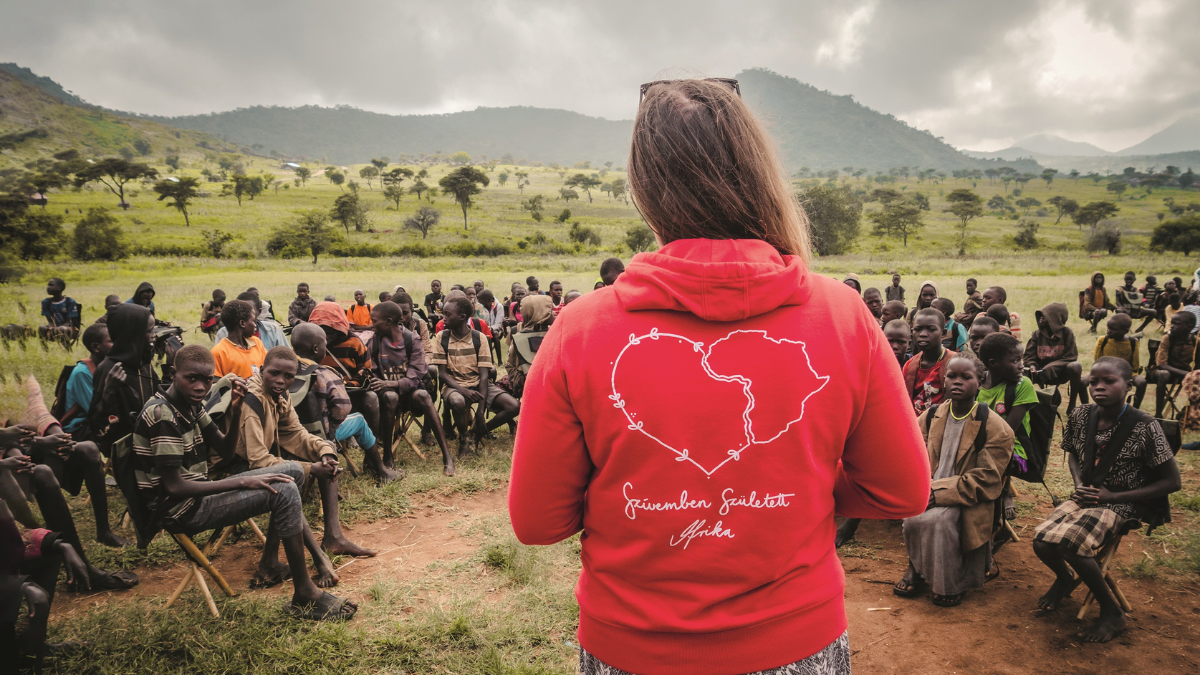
(981, 415)
(408, 347)
(1036, 443)
(526, 344)
(60, 390)
(476, 340)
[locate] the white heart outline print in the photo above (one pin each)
(682, 455)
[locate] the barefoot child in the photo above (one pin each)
(1176, 357)
(949, 546)
(1123, 470)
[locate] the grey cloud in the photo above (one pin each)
(922, 61)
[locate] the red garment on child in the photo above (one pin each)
(925, 387)
(702, 420)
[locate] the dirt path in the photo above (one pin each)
(994, 631)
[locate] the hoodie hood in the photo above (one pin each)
(1056, 315)
(127, 329)
(144, 286)
(1095, 274)
(936, 293)
(714, 279)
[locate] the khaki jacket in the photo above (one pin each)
(280, 429)
(980, 475)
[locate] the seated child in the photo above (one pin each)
(144, 296)
(610, 269)
(1172, 306)
(399, 369)
(359, 314)
(556, 297)
(302, 306)
(271, 434)
(1130, 300)
(111, 300)
(434, 299)
(1051, 356)
(1123, 470)
(239, 352)
(899, 337)
(1176, 357)
(476, 322)
(61, 313)
(326, 410)
(874, 302)
(539, 315)
(996, 295)
(171, 446)
(74, 464)
(1118, 343)
(925, 298)
(1008, 392)
(982, 327)
(1162, 302)
(973, 306)
(851, 280)
(464, 363)
(1150, 291)
(571, 296)
(924, 372)
(409, 320)
(210, 314)
(892, 310)
(1094, 304)
(79, 383)
(955, 335)
(125, 379)
(949, 546)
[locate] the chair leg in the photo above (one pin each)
(187, 576)
(262, 538)
(212, 605)
(342, 447)
(401, 432)
(1106, 556)
(203, 562)
(1011, 532)
(214, 547)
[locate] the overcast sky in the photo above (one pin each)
(981, 74)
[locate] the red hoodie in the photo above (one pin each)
(702, 420)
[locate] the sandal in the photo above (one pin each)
(909, 588)
(104, 580)
(992, 573)
(259, 581)
(328, 607)
(948, 600)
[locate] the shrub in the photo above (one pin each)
(99, 236)
(1104, 239)
(582, 234)
(1026, 236)
(417, 250)
(563, 217)
(467, 248)
(159, 250)
(639, 238)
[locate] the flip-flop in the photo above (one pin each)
(328, 607)
(108, 581)
(911, 590)
(992, 573)
(948, 600)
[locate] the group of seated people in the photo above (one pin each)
(289, 397)
(973, 387)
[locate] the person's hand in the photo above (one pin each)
(473, 395)
(1087, 496)
(116, 375)
(238, 393)
(60, 444)
(15, 436)
(17, 464)
(932, 501)
(480, 427)
(263, 481)
(77, 570)
(327, 467)
(380, 385)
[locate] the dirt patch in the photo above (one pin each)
(433, 534)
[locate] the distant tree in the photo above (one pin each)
(1074, 175)
(1181, 235)
(620, 190)
(581, 234)
(35, 236)
(396, 177)
(462, 184)
(336, 177)
(42, 182)
(238, 186)
(1064, 206)
(534, 206)
(563, 217)
(380, 163)
(1028, 203)
(216, 241)
(257, 185)
(1118, 188)
(1092, 213)
(172, 162)
(367, 173)
(522, 180)
(460, 158)
(303, 173)
(393, 193)
(181, 192)
(113, 173)
(567, 194)
(884, 196)
(835, 214)
(606, 189)
(309, 230)
(991, 175)
(98, 236)
(1106, 238)
(127, 153)
(423, 220)
(585, 183)
(348, 210)
(353, 185)
(1187, 178)
(921, 200)
(639, 238)
(1023, 178)
(1026, 236)
(965, 205)
(898, 218)
(417, 188)
(142, 146)
(502, 177)
(1048, 176)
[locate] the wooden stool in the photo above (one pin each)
(198, 560)
(1106, 555)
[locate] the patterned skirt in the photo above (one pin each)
(1083, 531)
(832, 660)
(1191, 414)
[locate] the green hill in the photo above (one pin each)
(44, 83)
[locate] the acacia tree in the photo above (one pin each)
(349, 210)
(423, 220)
(620, 190)
(417, 188)
(585, 183)
(567, 194)
(1117, 187)
(180, 191)
(367, 173)
(1092, 213)
(1048, 176)
(113, 173)
(835, 214)
(337, 178)
(309, 230)
(534, 206)
(464, 183)
(1181, 234)
(237, 186)
(899, 218)
(965, 205)
(1064, 206)
(303, 173)
(380, 163)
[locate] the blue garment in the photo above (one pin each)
(270, 332)
(79, 393)
(65, 312)
(958, 336)
(355, 426)
(132, 301)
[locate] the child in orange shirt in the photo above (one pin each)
(239, 352)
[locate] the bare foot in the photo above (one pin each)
(325, 577)
(343, 546)
(427, 438)
(270, 573)
(1107, 627)
(448, 469)
(110, 539)
(845, 532)
(1060, 590)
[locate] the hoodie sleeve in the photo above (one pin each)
(1070, 349)
(884, 472)
(1029, 358)
(551, 465)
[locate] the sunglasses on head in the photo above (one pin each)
(727, 81)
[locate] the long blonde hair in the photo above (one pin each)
(702, 167)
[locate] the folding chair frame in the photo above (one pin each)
(198, 560)
(1106, 555)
